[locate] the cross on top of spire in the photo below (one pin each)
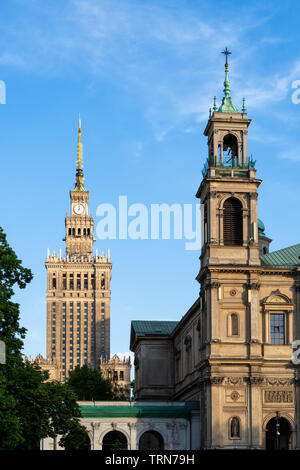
(226, 52)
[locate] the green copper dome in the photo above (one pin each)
(261, 228)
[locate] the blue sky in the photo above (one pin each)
(142, 74)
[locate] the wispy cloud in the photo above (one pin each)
(166, 56)
(291, 152)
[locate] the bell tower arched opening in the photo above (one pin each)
(230, 144)
(233, 222)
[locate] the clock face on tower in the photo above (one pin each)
(78, 209)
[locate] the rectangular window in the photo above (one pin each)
(78, 282)
(64, 282)
(85, 281)
(277, 328)
(121, 375)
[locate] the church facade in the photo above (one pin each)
(232, 350)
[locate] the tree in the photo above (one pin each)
(30, 407)
(88, 384)
(76, 439)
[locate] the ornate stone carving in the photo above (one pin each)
(233, 292)
(234, 381)
(216, 380)
(235, 395)
(278, 396)
(275, 381)
(256, 380)
(132, 426)
(253, 195)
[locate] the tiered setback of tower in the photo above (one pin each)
(78, 310)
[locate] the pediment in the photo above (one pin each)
(277, 299)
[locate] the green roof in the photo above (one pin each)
(135, 411)
(153, 328)
(287, 257)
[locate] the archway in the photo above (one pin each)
(280, 441)
(114, 440)
(230, 144)
(151, 440)
(233, 222)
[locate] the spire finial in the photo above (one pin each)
(226, 52)
(79, 185)
(244, 109)
(227, 106)
(215, 104)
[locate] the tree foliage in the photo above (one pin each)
(88, 384)
(30, 407)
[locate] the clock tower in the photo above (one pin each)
(78, 290)
(79, 226)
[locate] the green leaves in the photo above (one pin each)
(30, 407)
(88, 384)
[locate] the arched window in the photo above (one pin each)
(114, 440)
(69, 231)
(234, 324)
(73, 232)
(230, 145)
(233, 222)
(84, 231)
(151, 440)
(79, 231)
(88, 232)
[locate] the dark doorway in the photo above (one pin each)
(114, 440)
(282, 440)
(151, 440)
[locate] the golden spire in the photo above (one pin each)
(79, 185)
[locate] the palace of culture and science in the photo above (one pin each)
(78, 297)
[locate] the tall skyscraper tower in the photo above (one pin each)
(78, 290)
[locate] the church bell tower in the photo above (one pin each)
(229, 263)
(228, 192)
